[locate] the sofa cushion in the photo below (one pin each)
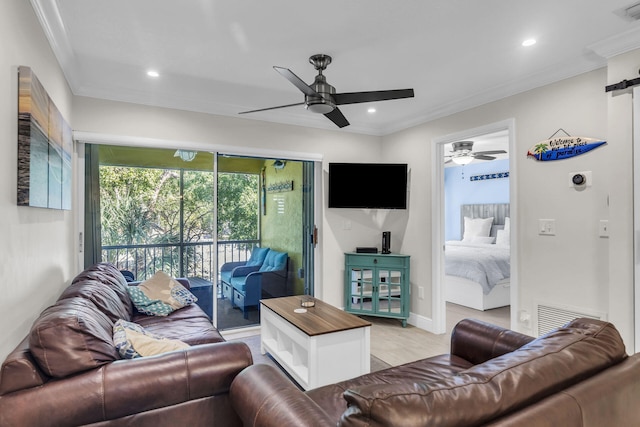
(102, 296)
(275, 261)
(190, 325)
(238, 283)
(257, 256)
(330, 399)
(133, 341)
(499, 386)
(109, 275)
(72, 336)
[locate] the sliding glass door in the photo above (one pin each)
(190, 212)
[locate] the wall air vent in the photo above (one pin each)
(552, 316)
(629, 13)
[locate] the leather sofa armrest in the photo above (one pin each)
(477, 341)
(127, 387)
(262, 396)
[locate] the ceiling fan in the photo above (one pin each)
(320, 97)
(461, 153)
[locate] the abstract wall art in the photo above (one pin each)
(45, 146)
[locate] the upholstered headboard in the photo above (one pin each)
(499, 211)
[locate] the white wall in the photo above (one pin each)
(571, 268)
(36, 255)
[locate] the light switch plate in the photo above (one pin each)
(547, 227)
(603, 228)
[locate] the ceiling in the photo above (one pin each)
(218, 56)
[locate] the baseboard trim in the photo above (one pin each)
(421, 322)
(231, 334)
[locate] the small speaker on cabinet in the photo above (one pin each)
(386, 242)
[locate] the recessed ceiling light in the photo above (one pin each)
(529, 42)
(371, 110)
(153, 73)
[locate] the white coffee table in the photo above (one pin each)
(321, 346)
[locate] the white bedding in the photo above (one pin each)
(482, 263)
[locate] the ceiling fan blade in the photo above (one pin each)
(376, 95)
(296, 81)
(337, 117)
(271, 108)
(483, 157)
(490, 152)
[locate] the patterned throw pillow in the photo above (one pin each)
(146, 305)
(133, 341)
(160, 295)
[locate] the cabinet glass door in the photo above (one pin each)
(388, 285)
(361, 295)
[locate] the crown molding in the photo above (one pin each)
(618, 44)
(53, 27)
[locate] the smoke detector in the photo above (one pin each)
(629, 13)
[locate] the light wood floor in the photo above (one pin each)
(396, 345)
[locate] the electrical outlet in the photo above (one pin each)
(421, 292)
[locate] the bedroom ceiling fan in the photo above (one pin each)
(461, 153)
(320, 97)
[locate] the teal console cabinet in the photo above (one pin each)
(377, 285)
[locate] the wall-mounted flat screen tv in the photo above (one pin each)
(368, 185)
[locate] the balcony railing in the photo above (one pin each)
(177, 260)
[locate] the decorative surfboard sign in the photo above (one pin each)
(563, 147)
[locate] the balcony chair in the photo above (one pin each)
(240, 269)
(270, 281)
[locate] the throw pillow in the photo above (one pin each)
(477, 227)
(133, 341)
(160, 295)
(502, 238)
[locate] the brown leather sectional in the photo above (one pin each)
(68, 373)
(576, 376)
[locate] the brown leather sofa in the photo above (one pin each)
(576, 376)
(67, 372)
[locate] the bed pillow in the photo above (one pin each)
(133, 341)
(160, 295)
(477, 227)
(502, 238)
(479, 239)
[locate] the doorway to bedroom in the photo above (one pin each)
(473, 217)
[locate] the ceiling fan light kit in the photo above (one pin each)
(462, 153)
(462, 160)
(321, 98)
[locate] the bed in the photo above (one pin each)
(477, 268)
